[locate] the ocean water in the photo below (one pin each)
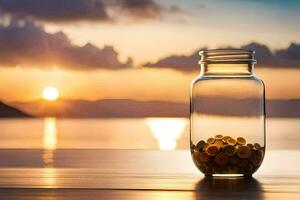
(123, 133)
(92, 158)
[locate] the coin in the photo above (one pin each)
(258, 155)
(219, 143)
(195, 153)
(203, 156)
(212, 150)
(241, 140)
(217, 169)
(193, 147)
(200, 145)
(221, 159)
(253, 159)
(233, 160)
(225, 138)
(242, 162)
(201, 167)
(210, 140)
(205, 168)
(225, 155)
(205, 146)
(231, 141)
(232, 169)
(229, 150)
(243, 152)
(257, 146)
(249, 168)
(219, 137)
(250, 146)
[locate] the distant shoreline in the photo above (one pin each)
(129, 117)
(124, 108)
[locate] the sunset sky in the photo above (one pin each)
(91, 49)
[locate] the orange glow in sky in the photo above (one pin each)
(139, 84)
(198, 25)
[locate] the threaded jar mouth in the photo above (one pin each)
(227, 56)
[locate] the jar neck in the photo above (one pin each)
(225, 69)
(227, 62)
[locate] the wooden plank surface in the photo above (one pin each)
(135, 174)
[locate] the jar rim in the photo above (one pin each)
(229, 55)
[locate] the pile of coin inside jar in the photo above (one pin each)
(226, 155)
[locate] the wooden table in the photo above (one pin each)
(138, 174)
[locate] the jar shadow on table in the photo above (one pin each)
(229, 188)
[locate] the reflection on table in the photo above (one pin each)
(229, 188)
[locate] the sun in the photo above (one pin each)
(50, 93)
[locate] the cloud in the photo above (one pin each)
(25, 43)
(74, 10)
(287, 58)
(175, 9)
(178, 62)
(290, 56)
(55, 10)
(139, 8)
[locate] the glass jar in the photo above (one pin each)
(227, 118)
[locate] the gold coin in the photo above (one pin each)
(203, 156)
(257, 146)
(210, 140)
(233, 160)
(195, 155)
(241, 141)
(225, 138)
(210, 162)
(250, 146)
(219, 137)
(217, 169)
(253, 159)
(193, 147)
(249, 168)
(233, 169)
(206, 169)
(243, 152)
(242, 162)
(229, 150)
(231, 141)
(221, 159)
(262, 152)
(200, 145)
(219, 143)
(212, 150)
(197, 161)
(258, 154)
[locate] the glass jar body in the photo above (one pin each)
(227, 121)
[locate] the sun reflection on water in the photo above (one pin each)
(166, 131)
(49, 177)
(49, 140)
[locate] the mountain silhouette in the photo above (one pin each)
(103, 108)
(110, 108)
(7, 111)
